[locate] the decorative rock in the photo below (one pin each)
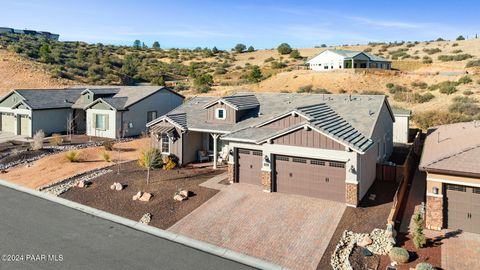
(179, 198)
(146, 218)
(83, 184)
(64, 185)
(118, 186)
(145, 197)
(137, 196)
(183, 193)
(365, 241)
(112, 187)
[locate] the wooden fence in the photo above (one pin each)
(406, 172)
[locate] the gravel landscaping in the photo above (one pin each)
(163, 210)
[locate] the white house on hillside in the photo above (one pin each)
(342, 59)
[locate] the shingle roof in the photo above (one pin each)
(453, 148)
(400, 111)
(351, 54)
(238, 102)
(49, 98)
(361, 112)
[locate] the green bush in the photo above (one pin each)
(458, 57)
(295, 54)
(446, 87)
(467, 92)
(473, 63)
(270, 59)
(420, 84)
(399, 255)
(424, 266)
(448, 90)
(427, 60)
(465, 108)
(390, 85)
(72, 156)
(397, 89)
(284, 48)
(432, 50)
(418, 237)
(465, 80)
(428, 119)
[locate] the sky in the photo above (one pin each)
(262, 24)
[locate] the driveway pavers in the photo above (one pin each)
(289, 230)
(461, 251)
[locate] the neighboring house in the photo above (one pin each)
(402, 125)
(342, 59)
(26, 111)
(125, 111)
(451, 158)
(45, 34)
(324, 146)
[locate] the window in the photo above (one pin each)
(151, 115)
(220, 113)
(325, 67)
(299, 160)
(336, 164)
(101, 121)
(165, 143)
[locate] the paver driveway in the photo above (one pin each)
(289, 230)
(461, 251)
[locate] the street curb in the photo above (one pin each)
(177, 238)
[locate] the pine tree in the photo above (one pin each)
(419, 239)
(156, 45)
(137, 44)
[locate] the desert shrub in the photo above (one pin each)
(390, 85)
(448, 90)
(460, 38)
(455, 44)
(466, 108)
(446, 87)
(418, 98)
(457, 51)
(371, 92)
(278, 65)
(473, 63)
(305, 89)
(464, 99)
(37, 142)
(106, 156)
(169, 163)
(397, 89)
(428, 119)
(468, 92)
(72, 156)
(432, 51)
(108, 145)
(412, 97)
(420, 84)
(321, 91)
(295, 54)
(465, 80)
(424, 266)
(427, 60)
(181, 87)
(284, 48)
(457, 57)
(56, 139)
(270, 59)
(255, 75)
(418, 237)
(399, 255)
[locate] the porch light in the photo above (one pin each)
(435, 190)
(230, 152)
(267, 159)
(352, 170)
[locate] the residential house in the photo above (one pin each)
(343, 59)
(119, 108)
(401, 126)
(451, 159)
(322, 145)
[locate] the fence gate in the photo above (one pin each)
(386, 172)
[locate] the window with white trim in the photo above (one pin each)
(220, 113)
(101, 121)
(165, 143)
(151, 115)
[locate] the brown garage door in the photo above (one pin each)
(462, 208)
(310, 177)
(249, 165)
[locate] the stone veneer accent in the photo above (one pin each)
(231, 172)
(434, 213)
(351, 194)
(267, 180)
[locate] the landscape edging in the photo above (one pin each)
(180, 239)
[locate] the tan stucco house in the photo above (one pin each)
(104, 111)
(324, 146)
(451, 159)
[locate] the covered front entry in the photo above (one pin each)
(462, 207)
(249, 165)
(310, 177)
(8, 122)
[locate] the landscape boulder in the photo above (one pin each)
(137, 196)
(366, 240)
(116, 186)
(146, 218)
(179, 197)
(83, 184)
(145, 197)
(183, 193)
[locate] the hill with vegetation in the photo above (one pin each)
(438, 80)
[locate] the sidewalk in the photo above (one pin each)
(415, 198)
(213, 182)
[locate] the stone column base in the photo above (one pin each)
(351, 194)
(231, 172)
(434, 213)
(267, 181)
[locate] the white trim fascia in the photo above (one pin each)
(434, 195)
(351, 205)
(219, 101)
(96, 101)
(20, 102)
(238, 140)
(167, 119)
(209, 130)
(461, 183)
(281, 116)
(224, 113)
(351, 181)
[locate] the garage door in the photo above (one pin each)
(8, 122)
(463, 208)
(249, 164)
(24, 125)
(310, 177)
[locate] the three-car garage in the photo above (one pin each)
(324, 179)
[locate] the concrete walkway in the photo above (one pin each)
(213, 182)
(414, 200)
(289, 230)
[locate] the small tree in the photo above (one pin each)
(149, 159)
(45, 53)
(295, 54)
(255, 74)
(137, 44)
(37, 143)
(215, 50)
(156, 45)
(250, 49)
(460, 37)
(419, 239)
(239, 48)
(284, 48)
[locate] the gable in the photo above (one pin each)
(101, 106)
(22, 106)
(10, 100)
(308, 138)
(285, 122)
(361, 56)
(326, 56)
(230, 114)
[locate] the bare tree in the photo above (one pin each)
(70, 125)
(149, 159)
